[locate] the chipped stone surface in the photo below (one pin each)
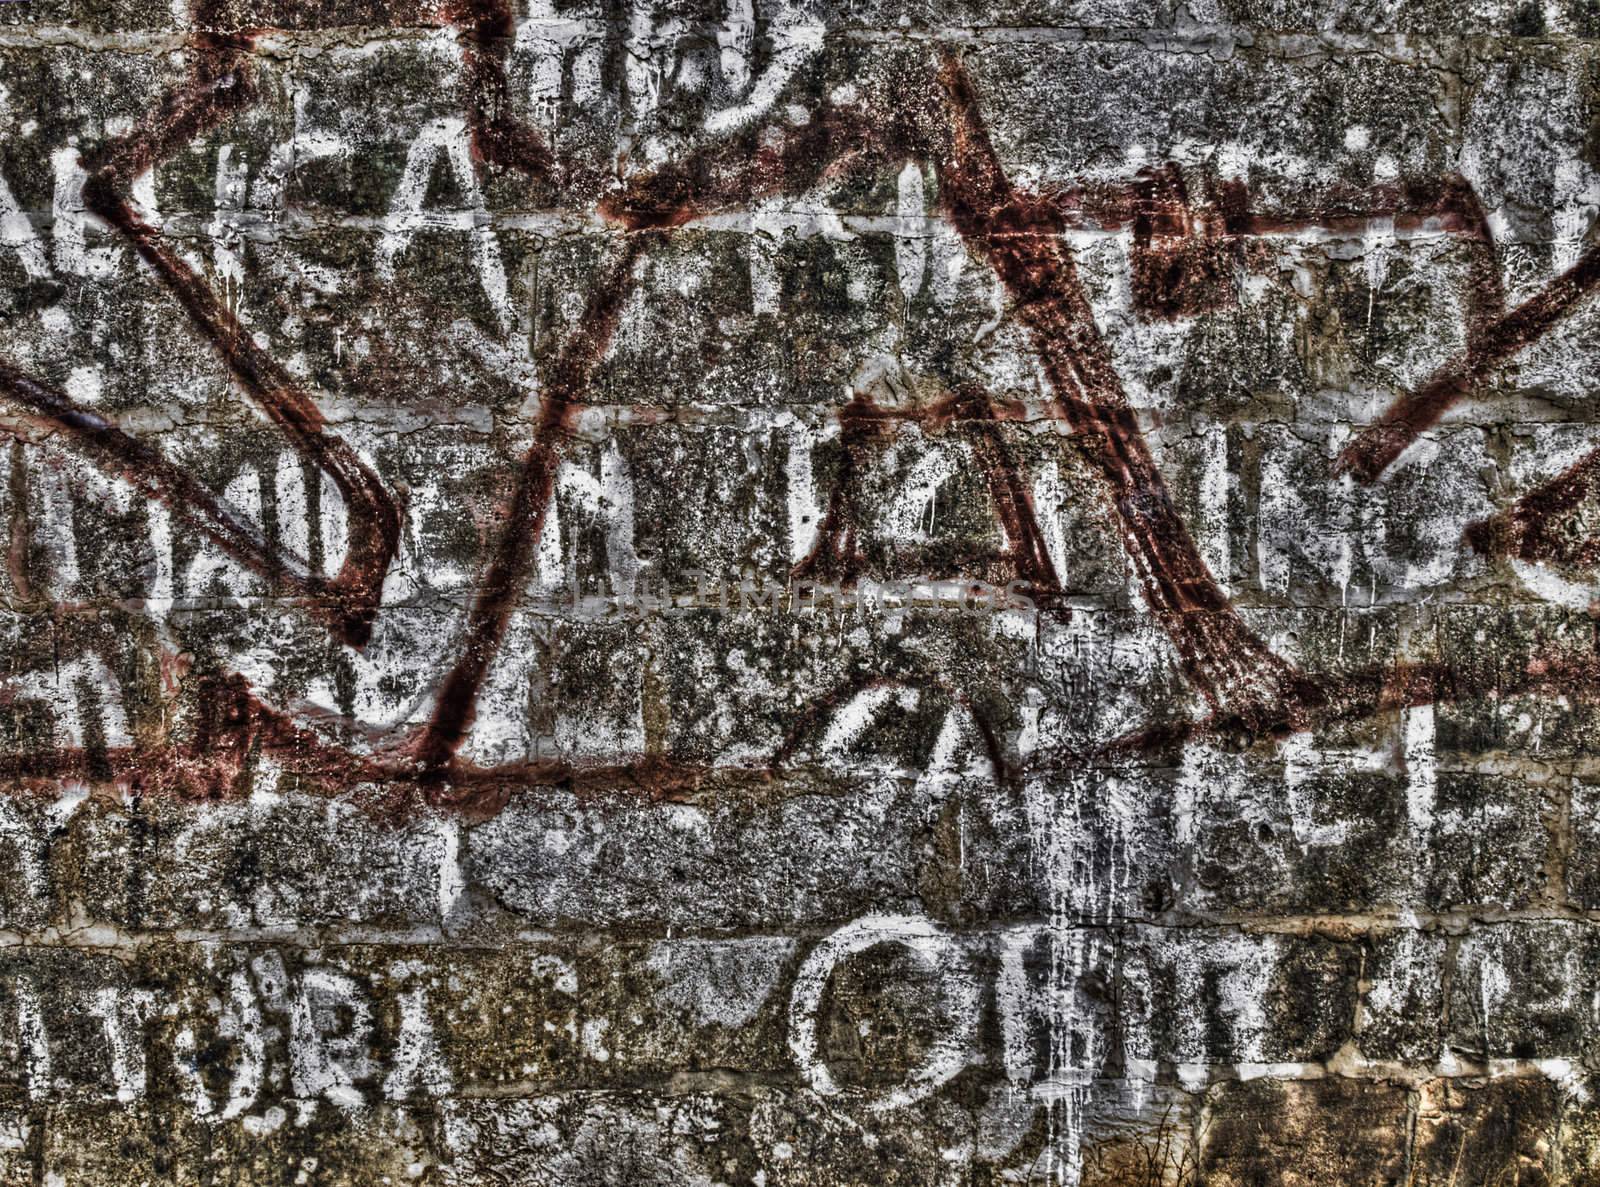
(782, 593)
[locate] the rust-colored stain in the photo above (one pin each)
(1185, 249)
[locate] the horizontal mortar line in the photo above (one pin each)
(1348, 1064)
(738, 1081)
(110, 938)
(502, 427)
(1451, 921)
(144, 41)
(338, 41)
(360, 39)
(499, 429)
(301, 223)
(596, 781)
(567, 34)
(1440, 46)
(644, 1084)
(557, 607)
(1351, 1066)
(508, 429)
(728, 1081)
(518, 420)
(1061, 1086)
(106, 938)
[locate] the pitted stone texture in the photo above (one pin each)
(756, 650)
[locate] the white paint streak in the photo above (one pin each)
(805, 511)
(1422, 766)
(35, 1042)
(794, 40)
(326, 1058)
(910, 247)
(452, 881)
(851, 719)
(418, 1062)
(953, 1050)
(122, 1015)
(17, 233)
(240, 1021)
(62, 688)
(407, 215)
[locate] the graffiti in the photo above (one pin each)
(228, 1061)
(923, 938)
(720, 590)
(1187, 235)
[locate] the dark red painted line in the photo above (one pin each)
(1016, 232)
(1494, 343)
(1186, 246)
(1446, 204)
(741, 170)
(207, 754)
(234, 730)
(229, 732)
(485, 31)
(980, 416)
(836, 554)
(1020, 237)
(456, 701)
(1535, 527)
(1348, 698)
(219, 86)
(1181, 265)
(144, 468)
(1017, 235)
(1486, 292)
(1011, 495)
(1389, 688)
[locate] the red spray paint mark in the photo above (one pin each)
(519, 539)
(1181, 257)
(1182, 261)
(1020, 236)
(1492, 341)
(219, 86)
(864, 426)
(144, 468)
(1536, 527)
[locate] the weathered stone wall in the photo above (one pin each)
(872, 593)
